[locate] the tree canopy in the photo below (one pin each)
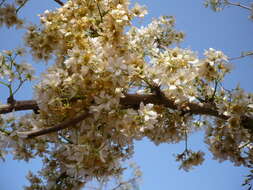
(110, 83)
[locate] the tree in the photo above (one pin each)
(108, 87)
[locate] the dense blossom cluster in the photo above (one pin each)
(96, 64)
(229, 140)
(9, 13)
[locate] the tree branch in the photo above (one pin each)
(68, 123)
(129, 101)
(19, 106)
(241, 56)
(238, 5)
(134, 100)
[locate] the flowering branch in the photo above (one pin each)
(134, 100)
(129, 101)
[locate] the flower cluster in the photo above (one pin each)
(147, 41)
(8, 14)
(11, 142)
(189, 159)
(228, 139)
(214, 66)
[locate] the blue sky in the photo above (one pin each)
(229, 31)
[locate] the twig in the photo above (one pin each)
(59, 2)
(23, 4)
(242, 56)
(4, 83)
(125, 182)
(186, 139)
(238, 5)
(244, 145)
(215, 89)
(66, 124)
(101, 17)
(66, 139)
(21, 82)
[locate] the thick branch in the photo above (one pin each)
(19, 106)
(129, 101)
(134, 100)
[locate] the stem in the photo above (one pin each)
(186, 140)
(66, 124)
(66, 139)
(125, 182)
(23, 4)
(238, 5)
(19, 86)
(11, 60)
(10, 89)
(215, 89)
(244, 145)
(242, 56)
(59, 2)
(3, 83)
(101, 17)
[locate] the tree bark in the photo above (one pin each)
(129, 101)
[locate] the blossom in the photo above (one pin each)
(149, 116)
(190, 159)
(8, 16)
(139, 11)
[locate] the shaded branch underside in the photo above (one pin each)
(129, 101)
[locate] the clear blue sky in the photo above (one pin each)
(230, 31)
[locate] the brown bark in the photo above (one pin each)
(68, 123)
(59, 2)
(129, 101)
(19, 106)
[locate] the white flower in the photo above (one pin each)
(139, 10)
(149, 116)
(250, 106)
